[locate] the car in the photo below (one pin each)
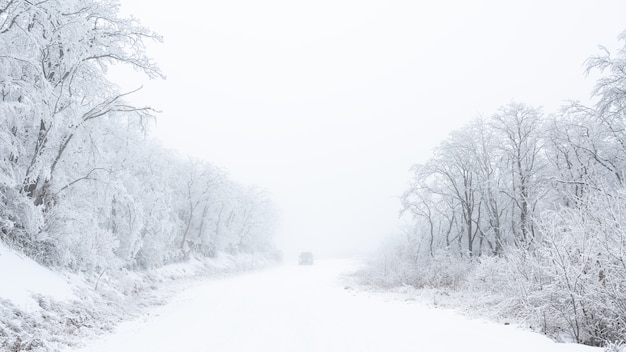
(306, 258)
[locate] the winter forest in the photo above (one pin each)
(529, 208)
(522, 208)
(82, 185)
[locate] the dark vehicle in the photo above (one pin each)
(306, 258)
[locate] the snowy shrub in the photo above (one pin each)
(574, 283)
(615, 347)
(443, 270)
(488, 274)
(20, 221)
(393, 265)
(79, 242)
(397, 264)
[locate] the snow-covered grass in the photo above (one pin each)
(44, 310)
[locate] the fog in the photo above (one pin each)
(328, 104)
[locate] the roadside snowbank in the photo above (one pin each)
(492, 308)
(42, 310)
(21, 278)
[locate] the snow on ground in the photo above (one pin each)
(41, 310)
(309, 308)
(21, 278)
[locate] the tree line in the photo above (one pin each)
(82, 186)
(537, 201)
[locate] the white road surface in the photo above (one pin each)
(308, 308)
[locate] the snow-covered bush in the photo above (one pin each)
(20, 219)
(444, 270)
(579, 280)
(400, 262)
(80, 243)
(393, 265)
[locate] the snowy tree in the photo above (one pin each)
(54, 87)
(451, 178)
(537, 205)
(66, 48)
(201, 181)
(521, 146)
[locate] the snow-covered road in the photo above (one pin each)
(307, 308)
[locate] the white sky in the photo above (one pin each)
(328, 103)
